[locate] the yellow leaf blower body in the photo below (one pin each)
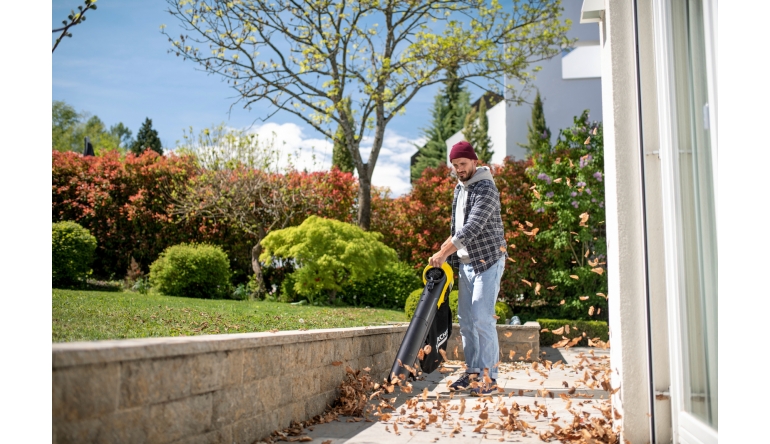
(430, 328)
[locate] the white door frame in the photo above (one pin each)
(686, 427)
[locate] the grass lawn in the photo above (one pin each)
(93, 315)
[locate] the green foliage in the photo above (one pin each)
(72, 250)
(328, 254)
(192, 270)
(592, 329)
(454, 299)
(503, 312)
(70, 128)
(476, 131)
(538, 134)
(388, 288)
(450, 107)
(569, 185)
(341, 157)
(146, 137)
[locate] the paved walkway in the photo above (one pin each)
(461, 418)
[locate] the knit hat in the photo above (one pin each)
(462, 149)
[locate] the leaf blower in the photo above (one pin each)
(430, 328)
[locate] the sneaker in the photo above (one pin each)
(463, 382)
(481, 390)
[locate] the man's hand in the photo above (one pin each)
(438, 259)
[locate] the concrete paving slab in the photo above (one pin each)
(463, 419)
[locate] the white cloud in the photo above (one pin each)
(314, 154)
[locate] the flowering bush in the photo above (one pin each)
(569, 186)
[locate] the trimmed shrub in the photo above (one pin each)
(388, 288)
(503, 311)
(192, 270)
(453, 300)
(72, 249)
(592, 329)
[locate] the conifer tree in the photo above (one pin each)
(448, 114)
(538, 136)
(341, 157)
(147, 137)
(476, 132)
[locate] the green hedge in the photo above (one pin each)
(389, 288)
(72, 251)
(592, 329)
(192, 270)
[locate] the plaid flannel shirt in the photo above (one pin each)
(482, 233)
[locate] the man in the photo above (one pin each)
(477, 248)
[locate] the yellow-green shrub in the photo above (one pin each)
(192, 270)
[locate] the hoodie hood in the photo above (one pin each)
(482, 173)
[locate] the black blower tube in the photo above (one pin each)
(418, 328)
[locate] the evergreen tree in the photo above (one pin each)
(448, 114)
(476, 131)
(539, 136)
(341, 157)
(146, 138)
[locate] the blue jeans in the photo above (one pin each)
(475, 309)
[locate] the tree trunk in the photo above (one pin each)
(257, 267)
(364, 199)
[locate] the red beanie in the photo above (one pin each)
(462, 149)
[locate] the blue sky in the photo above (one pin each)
(116, 66)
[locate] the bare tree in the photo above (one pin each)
(305, 57)
(75, 18)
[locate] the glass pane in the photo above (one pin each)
(696, 213)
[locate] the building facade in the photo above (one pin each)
(569, 83)
(659, 93)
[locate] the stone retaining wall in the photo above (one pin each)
(233, 388)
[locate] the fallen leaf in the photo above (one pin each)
(482, 261)
(583, 298)
(275, 330)
(558, 331)
(586, 143)
(527, 282)
(552, 287)
(337, 363)
(583, 219)
(598, 270)
(511, 354)
(508, 334)
(599, 311)
(591, 311)
(496, 317)
(574, 276)
(512, 260)
(602, 295)
(533, 260)
(502, 249)
(561, 302)
(586, 255)
(566, 328)
(537, 286)
(545, 330)
(557, 180)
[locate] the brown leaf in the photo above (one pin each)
(598, 270)
(574, 276)
(583, 298)
(527, 282)
(558, 331)
(482, 261)
(561, 302)
(425, 394)
(529, 353)
(551, 288)
(511, 354)
(529, 224)
(557, 180)
(591, 311)
(337, 363)
(583, 219)
(510, 259)
(533, 260)
(602, 295)
(566, 328)
(537, 286)
(366, 369)
(275, 330)
(508, 334)
(502, 248)
(586, 143)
